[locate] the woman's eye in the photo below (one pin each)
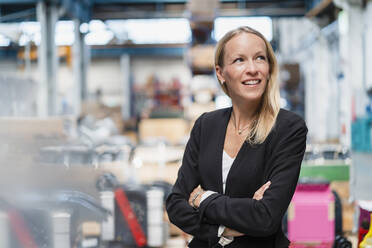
(261, 58)
(238, 60)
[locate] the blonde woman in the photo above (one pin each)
(241, 164)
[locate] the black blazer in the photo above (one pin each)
(277, 159)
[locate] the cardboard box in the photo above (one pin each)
(173, 130)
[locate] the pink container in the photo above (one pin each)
(311, 245)
(311, 217)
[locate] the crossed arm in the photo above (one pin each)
(248, 216)
(196, 196)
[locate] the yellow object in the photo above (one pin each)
(367, 240)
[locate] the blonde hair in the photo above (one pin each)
(270, 103)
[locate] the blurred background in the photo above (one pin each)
(98, 98)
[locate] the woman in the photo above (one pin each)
(241, 164)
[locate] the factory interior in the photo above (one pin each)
(99, 98)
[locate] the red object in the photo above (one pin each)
(362, 232)
(130, 217)
(21, 230)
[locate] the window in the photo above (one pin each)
(224, 24)
(152, 31)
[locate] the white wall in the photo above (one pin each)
(302, 41)
(368, 44)
(295, 34)
(105, 74)
(7, 67)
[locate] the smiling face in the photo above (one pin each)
(245, 68)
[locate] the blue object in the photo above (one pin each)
(361, 132)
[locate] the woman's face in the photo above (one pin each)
(246, 67)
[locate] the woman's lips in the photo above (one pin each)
(251, 82)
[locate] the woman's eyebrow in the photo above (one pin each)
(233, 56)
(260, 52)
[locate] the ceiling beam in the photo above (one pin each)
(18, 15)
(317, 7)
(8, 2)
(12, 10)
(141, 2)
(138, 2)
(85, 10)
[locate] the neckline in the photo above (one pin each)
(222, 147)
(231, 158)
(225, 132)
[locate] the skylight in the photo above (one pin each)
(137, 31)
(224, 24)
(152, 31)
(30, 31)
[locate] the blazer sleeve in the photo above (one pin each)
(263, 218)
(179, 211)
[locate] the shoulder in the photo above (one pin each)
(289, 132)
(287, 126)
(216, 114)
(213, 121)
(289, 120)
(213, 116)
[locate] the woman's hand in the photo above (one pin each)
(258, 195)
(228, 232)
(195, 196)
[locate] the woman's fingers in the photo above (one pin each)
(260, 192)
(192, 195)
(228, 232)
(258, 195)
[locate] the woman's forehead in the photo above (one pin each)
(246, 41)
(244, 44)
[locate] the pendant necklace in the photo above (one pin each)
(240, 130)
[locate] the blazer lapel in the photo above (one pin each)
(221, 141)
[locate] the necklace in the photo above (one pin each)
(240, 130)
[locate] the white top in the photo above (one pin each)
(227, 162)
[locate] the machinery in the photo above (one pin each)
(138, 213)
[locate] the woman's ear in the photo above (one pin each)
(221, 79)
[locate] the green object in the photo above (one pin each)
(333, 172)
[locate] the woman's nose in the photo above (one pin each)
(251, 67)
